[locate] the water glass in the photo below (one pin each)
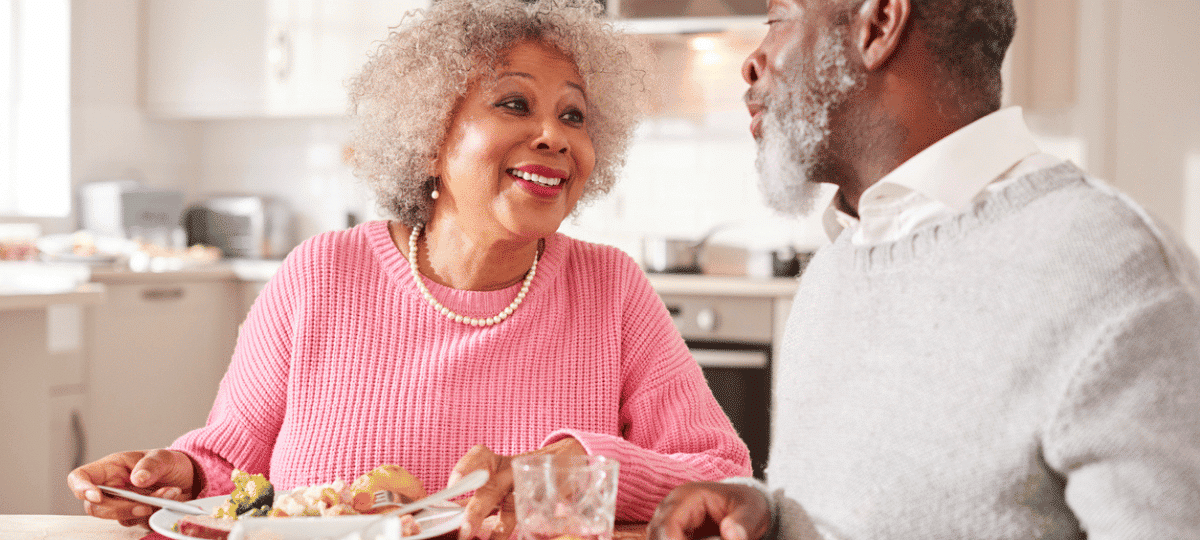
(565, 496)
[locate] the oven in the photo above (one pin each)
(731, 338)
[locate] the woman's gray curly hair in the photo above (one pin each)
(403, 99)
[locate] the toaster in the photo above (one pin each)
(241, 226)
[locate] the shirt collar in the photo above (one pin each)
(952, 170)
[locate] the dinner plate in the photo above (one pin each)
(435, 521)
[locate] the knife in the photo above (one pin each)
(181, 507)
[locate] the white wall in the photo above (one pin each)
(1156, 109)
(299, 161)
(111, 137)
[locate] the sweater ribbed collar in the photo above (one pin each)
(927, 239)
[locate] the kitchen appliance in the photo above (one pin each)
(242, 226)
(731, 338)
(127, 209)
(672, 255)
(687, 16)
(677, 255)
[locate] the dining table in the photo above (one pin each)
(38, 526)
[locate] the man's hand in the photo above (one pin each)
(702, 509)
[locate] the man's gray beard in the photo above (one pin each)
(793, 148)
(787, 153)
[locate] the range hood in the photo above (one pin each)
(687, 16)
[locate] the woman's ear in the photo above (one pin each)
(879, 26)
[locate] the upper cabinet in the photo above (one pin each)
(259, 58)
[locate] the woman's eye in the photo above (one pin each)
(515, 104)
(574, 116)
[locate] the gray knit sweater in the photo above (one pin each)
(1027, 369)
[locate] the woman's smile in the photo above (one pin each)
(540, 180)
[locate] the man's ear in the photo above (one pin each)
(879, 26)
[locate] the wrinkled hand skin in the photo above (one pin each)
(498, 491)
(703, 509)
(162, 473)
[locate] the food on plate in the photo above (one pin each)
(211, 528)
(254, 496)
(404, 486)
(331, 499)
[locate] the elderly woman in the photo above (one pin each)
(467, 330)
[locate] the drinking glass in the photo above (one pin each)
(565, 496)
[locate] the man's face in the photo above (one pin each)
(799, 77)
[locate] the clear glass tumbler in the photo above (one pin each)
(565, 496)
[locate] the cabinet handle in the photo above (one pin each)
(155, 295)
(282, 56)
(80, 437)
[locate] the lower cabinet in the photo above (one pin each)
(41, 402)
(157, 352)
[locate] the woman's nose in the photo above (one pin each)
(552, 137)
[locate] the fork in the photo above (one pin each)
(387, 498)
(472, 481)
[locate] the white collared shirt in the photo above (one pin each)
(943, 179)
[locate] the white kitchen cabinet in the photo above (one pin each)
(159, 346)
(259, 58)
(41, 401)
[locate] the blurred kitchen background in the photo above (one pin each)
(158, 157)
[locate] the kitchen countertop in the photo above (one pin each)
(88, 293)
(262, 270)
(241, 269)
(698, 284)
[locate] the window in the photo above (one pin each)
(35, 99)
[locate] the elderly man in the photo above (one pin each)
(995, 345)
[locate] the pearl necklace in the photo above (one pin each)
(487, 321)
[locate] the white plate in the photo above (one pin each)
(434, 521)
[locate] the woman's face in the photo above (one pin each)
(518, 154)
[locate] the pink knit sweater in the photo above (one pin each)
(342, 366)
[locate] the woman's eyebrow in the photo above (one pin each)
(524, 75)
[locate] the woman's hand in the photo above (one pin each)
(499, 487)
(161, 473)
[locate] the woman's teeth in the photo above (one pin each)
(536, 178)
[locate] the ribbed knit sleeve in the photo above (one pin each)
(342, 366)
(252, 398)
(672, 429)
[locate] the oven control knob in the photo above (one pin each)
(706, 319)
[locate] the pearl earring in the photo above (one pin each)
(434, 194)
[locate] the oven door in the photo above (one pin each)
(739, 375)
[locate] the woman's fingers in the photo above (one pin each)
(498, 490)
(487, 497)
(112, 470)
(163, 468)
(507, 522)
(162, 473)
